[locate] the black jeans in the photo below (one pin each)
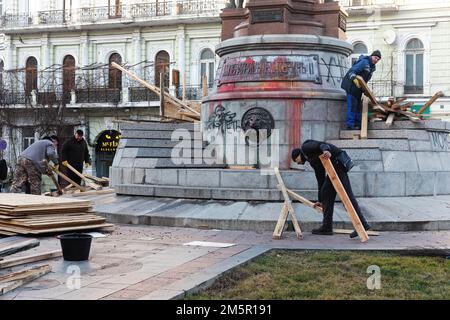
(329, 197)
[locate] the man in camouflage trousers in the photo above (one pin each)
(31, 165)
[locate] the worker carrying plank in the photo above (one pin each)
(364, 67)
(310, 151)
(31, 165)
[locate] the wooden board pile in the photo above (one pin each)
(394, 109)
(12, 280)
(32, 214)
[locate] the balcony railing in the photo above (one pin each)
(361, 3)
(109, 13)
(143, 10)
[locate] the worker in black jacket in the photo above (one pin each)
(75, 152)
(310, 151)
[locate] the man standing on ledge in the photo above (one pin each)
(310, 151)
(75, 152)
(364, 67)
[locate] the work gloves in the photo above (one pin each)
(356, 82)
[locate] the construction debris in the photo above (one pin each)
(14, 280)
(393, 109)
(33, 214)
(12, 245)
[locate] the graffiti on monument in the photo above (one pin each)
(222, 119)
(263, 68)
(440, 140)
(336, 69)
(258, 119)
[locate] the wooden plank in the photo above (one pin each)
(390, 119)
(436, 96)
(281, 222)
(288, 202)
(304, 201)
(16, 244)
(175, 101)
(348, 231)
(364, 116)
(331, 172)
(86, 193)
(367, 91)
(79, 174)
(11, 262)
(53, 230)
(21, 200)
(25, 277)
(62, 175)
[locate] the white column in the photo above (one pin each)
(45, 50)
(84, 41)
(181, 37)
(9, 63)
(137, 46)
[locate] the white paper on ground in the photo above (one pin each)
(97, 235)
(209, 244)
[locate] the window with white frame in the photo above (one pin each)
(359, 48)
(207, 67)
(414, 67)
(27, 137)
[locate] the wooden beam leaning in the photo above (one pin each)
(364, 118)
(7, 263)
(62, 175)
(168, 97)
(304, 201)
(331, 172)
(86, 180)
(287, 202)
(436, 96)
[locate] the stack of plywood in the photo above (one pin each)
(32, 214)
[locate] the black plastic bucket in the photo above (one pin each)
(75, 246)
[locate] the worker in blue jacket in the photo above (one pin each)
(364, 67)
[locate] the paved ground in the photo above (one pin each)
(387, 214)
(154, 262)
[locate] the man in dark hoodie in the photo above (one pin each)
(75, 152)
(364, 67)
(310, 151)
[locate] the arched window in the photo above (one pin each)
(207, 68)
(359, 48)
(68, 75)
(162, 64)
(31, 75)
(414, 52)
(115, 75)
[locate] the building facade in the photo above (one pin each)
(55, 56)
(414, 38)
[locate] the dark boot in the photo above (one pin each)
(323, 230)
(354, 234)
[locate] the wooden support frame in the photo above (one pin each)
(285, 211)
(331, 172)
(86, 180)
(304, 201)
(62, 175)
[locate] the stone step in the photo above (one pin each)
(167, 153)
(366, 154)
(157, 143)
(156, 126)
(388, 134)
(206, 193)
(164, 163)
(406, 124)
(382, 144)
(161, 135)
